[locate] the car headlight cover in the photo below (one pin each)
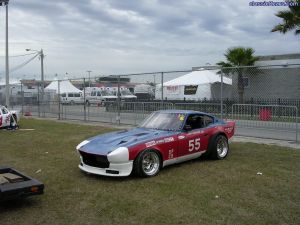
(82, 144)
(119, 155)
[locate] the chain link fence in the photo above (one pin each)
(263, 100)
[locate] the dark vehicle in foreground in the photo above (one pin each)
(14, 184)
(164, 138)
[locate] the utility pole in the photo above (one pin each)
(5, 2)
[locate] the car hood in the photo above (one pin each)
(106, 143)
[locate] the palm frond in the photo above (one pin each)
(290, 19)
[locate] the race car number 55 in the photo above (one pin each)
(194, 144)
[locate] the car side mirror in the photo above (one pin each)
(187, 127)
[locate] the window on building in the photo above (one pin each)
(246, 82)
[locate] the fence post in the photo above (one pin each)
(221, 95)
(84, 101)
(22, 98)
(58, 94)
(162, 87)
(296, 124)
(119, 103)
(38, 99)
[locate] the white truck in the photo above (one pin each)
(126, 95)
(144, 92)
(99, 96)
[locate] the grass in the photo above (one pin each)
(196, 192)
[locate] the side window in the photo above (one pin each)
(199, 121)
(195, 121)
(98, 93)
(93, 93)
(70, 95)
(63, 95)
(207, 120)
(76, 95)
(4, 111)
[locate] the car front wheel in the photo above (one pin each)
(147, 164)
(220, 147)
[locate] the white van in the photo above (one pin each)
(72, 98)
(99, 96)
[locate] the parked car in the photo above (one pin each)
(8, 118)
(164, 138)
(100, 97)
(72, 98)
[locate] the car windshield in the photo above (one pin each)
(126, 92)
(106, 93)
(164, 121)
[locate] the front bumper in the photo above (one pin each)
(116, 163)
(114, 169)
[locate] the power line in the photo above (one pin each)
(12, 56)
(21, 65)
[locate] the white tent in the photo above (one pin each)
(65, 86)
(196, 85)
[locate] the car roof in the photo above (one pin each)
(183, 111)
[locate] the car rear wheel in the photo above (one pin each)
(147, 164)
(219, 147)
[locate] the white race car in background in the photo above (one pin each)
(8, 118)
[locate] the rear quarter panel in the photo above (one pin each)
(227, 128)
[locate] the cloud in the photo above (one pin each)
(113, 36)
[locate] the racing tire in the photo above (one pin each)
(147, 164)
(219, 147)
(13, 122)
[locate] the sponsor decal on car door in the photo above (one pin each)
(192, 142)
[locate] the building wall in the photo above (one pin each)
(271, 83)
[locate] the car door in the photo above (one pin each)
(194, 139)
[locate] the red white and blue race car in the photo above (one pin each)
(164, 138)
(8, 118)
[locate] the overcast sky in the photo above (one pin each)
(125, 36)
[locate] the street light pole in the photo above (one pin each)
(89, 71)
(5, 2)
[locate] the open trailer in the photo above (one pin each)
(14, 184)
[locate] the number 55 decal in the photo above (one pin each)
(194, 145)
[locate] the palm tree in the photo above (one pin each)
(237, 57)
(291, 19)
